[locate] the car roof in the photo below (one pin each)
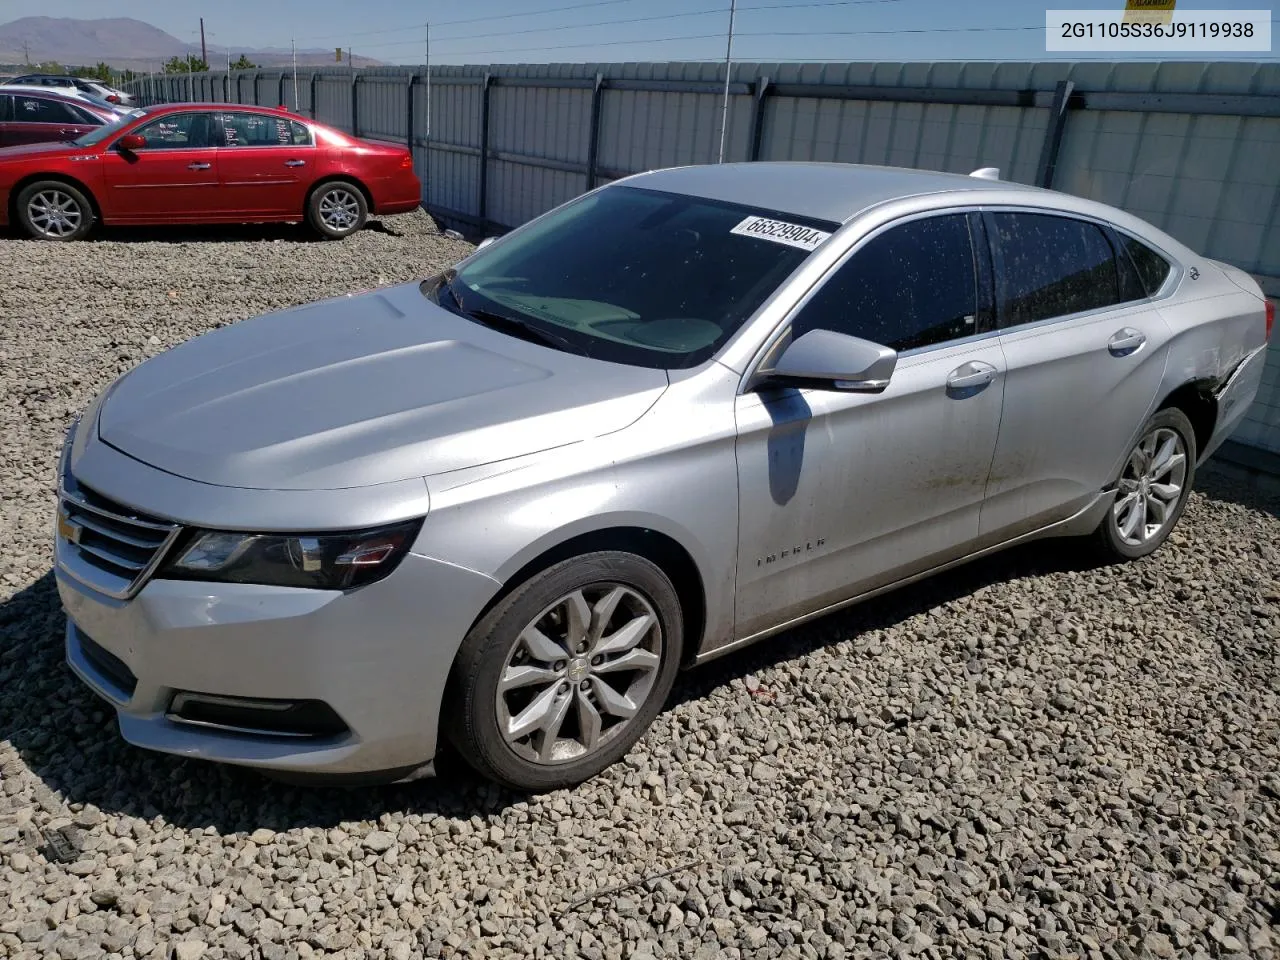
(163, 108)
(834, 192)
(35, 90)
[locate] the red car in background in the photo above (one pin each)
(205, 163)
(28, 116)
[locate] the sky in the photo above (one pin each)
(516, 31)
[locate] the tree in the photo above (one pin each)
(188, 64)
(101, 72)
(244, 63)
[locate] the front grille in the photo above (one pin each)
(119, 547)
(111, 667)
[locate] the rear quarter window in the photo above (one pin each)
(1149, 268)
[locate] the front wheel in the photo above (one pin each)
(560, 679)
(53, 210)
(1153, 488)
(337, 210)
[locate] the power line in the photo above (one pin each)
(451, 23)
(718, 11)
(765, 33)
(815, 4)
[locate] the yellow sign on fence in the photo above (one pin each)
(1149, 11)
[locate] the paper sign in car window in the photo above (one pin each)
(779, 231)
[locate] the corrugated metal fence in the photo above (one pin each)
(1192, 147)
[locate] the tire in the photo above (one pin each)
(54, 210)
(1126, 533)
(337, 209)
(564, 718)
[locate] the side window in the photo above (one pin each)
(912, 286)
(261, 130)
(6, 108)
(178, 131)
(1148, 268)
(1053, 266)
(40, 110)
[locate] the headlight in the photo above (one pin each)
(328, 561)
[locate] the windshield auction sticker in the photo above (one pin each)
(779, 231)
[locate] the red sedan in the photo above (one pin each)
(204, 163)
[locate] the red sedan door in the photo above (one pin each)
(31, 118)
(265, 164)
(173, 179)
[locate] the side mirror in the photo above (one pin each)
(131, 142)
(836, 361)
(485, 242)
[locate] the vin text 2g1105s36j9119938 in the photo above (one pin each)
(671, 417)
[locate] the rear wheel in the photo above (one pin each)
(53, 210)
(336, 210)
(1152, 489)
(560, 679)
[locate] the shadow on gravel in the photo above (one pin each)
(1031, 560)
(1224, 482)
(69, 739)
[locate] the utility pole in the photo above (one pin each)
(26, 53)
(426, 153)
(204, 50)
(293, 46)
(728, 65)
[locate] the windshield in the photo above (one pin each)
(636, 276)
(96, 136)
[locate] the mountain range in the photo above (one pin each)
(125, 43)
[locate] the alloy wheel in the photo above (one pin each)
(339, 209)
(578, 673)
(1150, 487)
(54, 213)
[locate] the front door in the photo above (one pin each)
(841, 493)
(265, 164)
(1086, 351)
(174, 178)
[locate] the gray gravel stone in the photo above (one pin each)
(1030, 756)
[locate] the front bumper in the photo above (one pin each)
(378, 657)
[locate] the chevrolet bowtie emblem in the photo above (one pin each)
(68, 529)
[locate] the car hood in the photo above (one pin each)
(362, 390)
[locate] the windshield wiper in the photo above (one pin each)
(512, 325)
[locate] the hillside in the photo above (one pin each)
(126, 43)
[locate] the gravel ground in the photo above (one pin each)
(1029, 757)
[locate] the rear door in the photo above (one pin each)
(265, 164)
(1086, 351)
(173, 179)
(37, 119)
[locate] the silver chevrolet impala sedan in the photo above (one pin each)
(503, 507)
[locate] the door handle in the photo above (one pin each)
(295, 163)
(68, 131)
(969, 375)
(197, 166)
(1126, 341)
